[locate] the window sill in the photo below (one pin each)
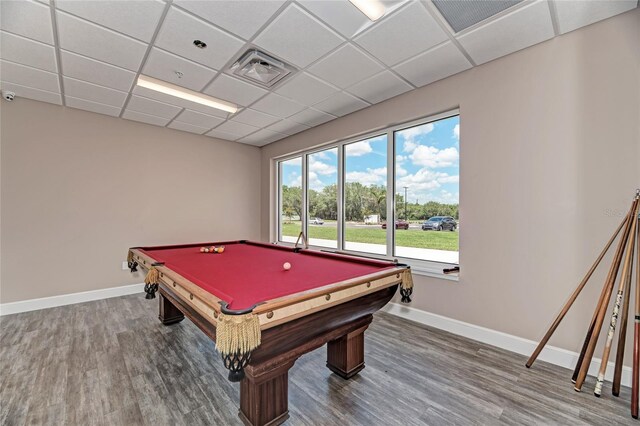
(423, 268)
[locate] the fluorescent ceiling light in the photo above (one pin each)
(374, 9)
(186, 94)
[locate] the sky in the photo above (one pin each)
(427, 163)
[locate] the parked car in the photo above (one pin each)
(440, 223)
(400, 224)
(316, 221)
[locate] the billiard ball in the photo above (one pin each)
(286, 266)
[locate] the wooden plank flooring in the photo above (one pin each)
(111, 362)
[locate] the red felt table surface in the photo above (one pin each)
(247, 274)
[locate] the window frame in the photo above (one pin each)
(419, 266)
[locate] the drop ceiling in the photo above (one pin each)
(88, 54)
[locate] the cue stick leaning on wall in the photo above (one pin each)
(636, 340)
(625, 279)
(601, 310)
(574, 377)
(573, 297)
(622, 337)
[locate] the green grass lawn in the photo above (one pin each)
(374, 234)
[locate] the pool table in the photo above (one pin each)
(263, 317)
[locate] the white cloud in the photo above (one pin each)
(320, 167)
(446, 197)
(370, 177)
(400, 171)
(314, 182)
(359, 148)
(424, 183)
(456, 132)
(410, 135)
(449, 179)
(430, 156)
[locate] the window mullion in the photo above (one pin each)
(305, 198)
(391, 196)
(340, 194)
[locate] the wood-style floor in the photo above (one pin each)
(111, 362)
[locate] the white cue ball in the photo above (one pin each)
(286, 266)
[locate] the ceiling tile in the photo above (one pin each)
(242, 18)
(27, 18)
(343, 16)
(380, 87)
(341, 104)
(311, 117)
(287, 127)
(92, 92)
(215, 133)
(433, 65)
(151, 107)
(145, 118)
(163, 65)
(235, 128)
(573, 14)
(29, 77)
(262, 138)
(255, 118)
(297, 37)
(91, 106)
(277, 105)
(306, 89)
(152, 94)
(27, 52)
(186, 127)
(400, 36)
(345, 66)
(137, 19)
(31, 93)
(87, 39)
(197, 119)
(521, 28)
(179, 30)
(233, 90)
(86, 69)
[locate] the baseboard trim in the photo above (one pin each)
(68, 299)
(519, 345)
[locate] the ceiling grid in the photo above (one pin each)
(343, 62)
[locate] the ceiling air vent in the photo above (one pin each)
(261, 69)
(462, 14)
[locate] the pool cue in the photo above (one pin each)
(603, 293)
(622, 337)
(592, 335)
(624, 278)
(572, 298)
(636, 341)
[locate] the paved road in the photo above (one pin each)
(412, 226)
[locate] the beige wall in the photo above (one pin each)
(550, 160)
(79, 188)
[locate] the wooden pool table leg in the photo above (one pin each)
(345, 355)
(168, 313)
(264, 394)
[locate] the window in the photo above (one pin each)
(342, 195)
(323, 198)
(290, 211)
(427, 172)
(365, 195)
